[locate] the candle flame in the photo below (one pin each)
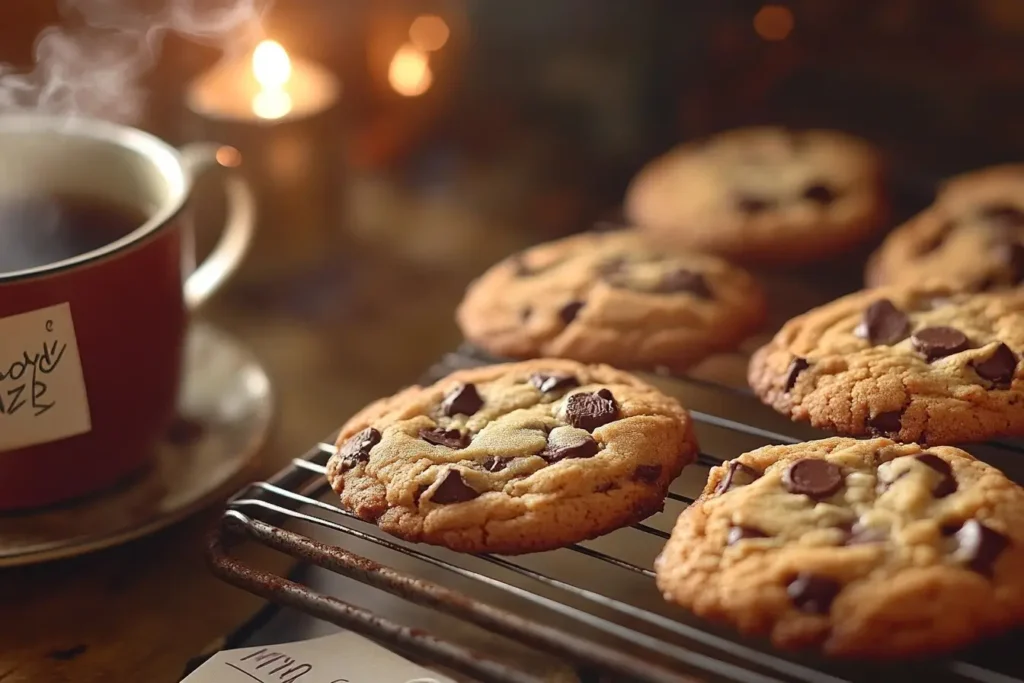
(272, 68)
(409, 73)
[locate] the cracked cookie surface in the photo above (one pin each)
(857, 548)
(611, 298)
(513, 458)
(762, 194)
(916, 364)
(972, 237)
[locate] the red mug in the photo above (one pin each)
(91, 346)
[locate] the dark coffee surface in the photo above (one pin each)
(37, 230)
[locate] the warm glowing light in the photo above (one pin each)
(409, 73)
(272, 68)
(271, 64)
(773, 22)
(429, 32)
(229, 157)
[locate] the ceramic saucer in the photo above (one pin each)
(225, 412)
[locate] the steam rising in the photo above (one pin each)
(92, 65)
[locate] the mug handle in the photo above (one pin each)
(238, 230)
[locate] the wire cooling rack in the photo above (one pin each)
(592, 606)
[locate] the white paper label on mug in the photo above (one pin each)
(42, 390)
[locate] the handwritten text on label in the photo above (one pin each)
(42, 390)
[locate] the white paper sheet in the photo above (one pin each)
(341, 658)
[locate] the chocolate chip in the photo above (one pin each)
(1011, 254)
(736, 474)
(938, 342)
(889, 422)
(1002, 215)
(742, 533)
(682, 280)
(496, 464)
(580, 446)
(462, 399)
(545, 382)
(453, 489)
(865, 535)
(812, 593)
(981, 545)
(797, 366)
(590, 411)
(947, 483)
(449, 438)
(357, 448)
(883, 323)
(525, 313)
(999, 368)
(812, 477)
(569, 311)
(748, 204)
(820, 193)
(647, 473)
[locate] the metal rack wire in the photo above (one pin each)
(619, 636)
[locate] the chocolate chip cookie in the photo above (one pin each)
(857, 548)
(513, 458)
(762, 194)
(972, 237)
(611, 298)
(920, 364)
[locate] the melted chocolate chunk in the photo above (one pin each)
(938, 342)
(820, 193)
(982, 545)
(583, 447)
(590, 411)
(818, 479)
(453, 489)
(753, 205)
(812, 593)
(496, 464)
(1002, 215)
(1010, 254)
(449, 438)
(682, 280)
(797, 366)
(947, 482)
(357, 448)
(889, 422)
(999, 368)
(742, 533)
(647, 473)
(463, 399)
(569, 311)
(883, 323)
(546, 383)
(736, 474)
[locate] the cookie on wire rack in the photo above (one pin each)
(513, 458)
(857, 548)
(611, 298)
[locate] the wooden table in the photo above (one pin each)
(139, 612)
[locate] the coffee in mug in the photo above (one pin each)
(40, 229)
